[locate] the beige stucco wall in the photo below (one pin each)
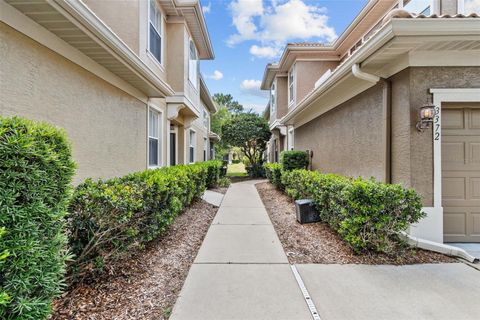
(124, 20)
(348, 139)
(281, 108)
(421, 145)
(308, 72)
(106, 126)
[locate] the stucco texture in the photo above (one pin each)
(421, 79)
(106, 126)
(348, 139)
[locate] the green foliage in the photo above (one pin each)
(223, 182)
(255, 170)
(294, 159)
(112, 219)
(367, 214)
(35, 177)
(216, 123)
(273, 171)
(250, 132)
(227, 101)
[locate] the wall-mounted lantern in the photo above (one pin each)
(426, 115)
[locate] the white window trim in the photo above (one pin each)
(175, 130)
(190, 145)
(160, 136)
(162, 36)
(293, 71)
(205, 147)
(195, 85)
(273, 97)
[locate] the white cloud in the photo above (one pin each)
(472, 6)
(206, 9)
(217, 75)
(252, 87)
(265, 52)
(277, 23)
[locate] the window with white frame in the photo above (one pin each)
(205, 118)
(273, 97)
(155, 31)
(154, 142)
(191, 154)
(193, 64)
(291, 85)
(205, 149)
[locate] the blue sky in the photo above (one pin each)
(248, 34)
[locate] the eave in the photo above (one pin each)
(400, 43)
(206, 97)
(75, 24)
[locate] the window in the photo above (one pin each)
(205, 149)
(205, 118)
(193, 65)
(273, 98)
(192, 147)
(155, 31)
(291, 85)
(154, 131)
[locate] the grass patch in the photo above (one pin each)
(236, 170)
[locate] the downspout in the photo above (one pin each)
(386, 115)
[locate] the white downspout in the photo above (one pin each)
(439, 247)
(357, 72)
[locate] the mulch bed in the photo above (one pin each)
(221, 190)
(148, 284)
(318, 243)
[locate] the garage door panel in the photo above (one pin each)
(475, 219)
(455, 223)
(474, 122)
(453, 118)
(461, 172)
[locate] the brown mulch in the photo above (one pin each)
(221, 190)
(318, 243)
(149, 283)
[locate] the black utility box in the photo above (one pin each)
(306, 212)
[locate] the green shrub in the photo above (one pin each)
(273, 172)
(112, 219)
(255, 171)
(294, 160)
(35, 177)
(223, 182)
(367, 214)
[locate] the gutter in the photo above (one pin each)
(439, 247)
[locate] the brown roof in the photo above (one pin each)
(307, 44)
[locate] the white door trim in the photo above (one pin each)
(431, 228)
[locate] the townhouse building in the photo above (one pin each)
(122, 78)
(396, 97)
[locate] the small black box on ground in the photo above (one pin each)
(306, 212)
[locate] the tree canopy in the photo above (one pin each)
(249, 132)
(227, 100)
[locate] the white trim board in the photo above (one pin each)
(431, 227)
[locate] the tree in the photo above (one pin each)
(217, 121)
(249, 132)
(227, 101)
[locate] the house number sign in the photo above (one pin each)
(436, 121)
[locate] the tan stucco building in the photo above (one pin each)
(123, 80)
(355, 104)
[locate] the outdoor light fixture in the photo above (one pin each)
(427, 112)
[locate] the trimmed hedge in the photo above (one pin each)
(35, 177)
(367, 214)
(273, 172)
(111, 219)
(294, 159)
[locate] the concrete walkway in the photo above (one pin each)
(242, 272)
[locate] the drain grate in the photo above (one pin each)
(306, 295)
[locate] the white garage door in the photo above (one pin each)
(461, 172)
